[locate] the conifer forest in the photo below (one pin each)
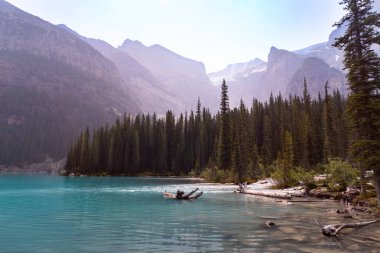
(247, 142)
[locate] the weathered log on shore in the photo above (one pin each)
(266, 193)
(303, 200)
(333, 230)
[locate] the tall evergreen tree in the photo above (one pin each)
(85, 152)
(236, 163)
(224, 148)
(363, 65)
(198, 138)
(329, 133)
(288, 158)
(307, 131)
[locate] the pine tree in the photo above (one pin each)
(329, 133)
(255, 162)
(224, 148)
(135, 165)
(243, 136)
(236, 165)
(198, 139)
(363, 65)
(287, 159)
(85, 152)
(307, 133)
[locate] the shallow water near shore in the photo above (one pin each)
(120, 214)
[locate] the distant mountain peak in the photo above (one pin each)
(129, 42)
(273, 49)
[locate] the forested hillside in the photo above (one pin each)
(296, 130)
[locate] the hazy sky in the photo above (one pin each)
(216, 32)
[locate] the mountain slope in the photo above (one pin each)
(146, 88)
(180, 77)
(53, 85)
(317, 73)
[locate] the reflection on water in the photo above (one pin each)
(58, 214)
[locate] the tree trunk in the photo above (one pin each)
(376, 178)
(266, 193)
(362, 181)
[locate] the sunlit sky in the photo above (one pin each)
(216, 32)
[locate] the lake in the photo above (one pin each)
(121, 214)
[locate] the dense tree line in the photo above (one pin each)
(245, 141)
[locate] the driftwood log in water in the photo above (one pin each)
(266, 193)
(333, 230)
(181, 195)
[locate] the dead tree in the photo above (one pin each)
(333, 230)
(266, 193)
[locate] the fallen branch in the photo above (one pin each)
(333, 230)
(301, 200)
(266, 193)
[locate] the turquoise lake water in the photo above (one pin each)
(116, 214)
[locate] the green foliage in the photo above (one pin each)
(305, 177)
(283, 177)
(293, 177)
(340, 174)
(215, 175)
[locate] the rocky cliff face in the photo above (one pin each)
(52, 86)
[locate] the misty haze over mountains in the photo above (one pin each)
(55, 82)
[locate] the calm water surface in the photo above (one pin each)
(83, 214)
